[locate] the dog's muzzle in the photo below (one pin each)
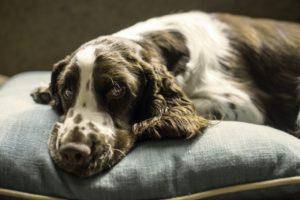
(82, 147)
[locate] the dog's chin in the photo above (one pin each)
(97, 163)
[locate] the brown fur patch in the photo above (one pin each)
(88, 85)
(58, 69)
(267, 62)
(118, 65)
(259, 32)
(55, 129)
(71, 112)
(77, 119)
(124, 142)
(68, 80)
(171, 48)
(76, 135)
(92, 127)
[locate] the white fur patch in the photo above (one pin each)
(86, 104)
(85, 59)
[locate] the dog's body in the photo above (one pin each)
(139, 82)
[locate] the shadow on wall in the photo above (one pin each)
(35, 34)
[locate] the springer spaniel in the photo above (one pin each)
(166, 78)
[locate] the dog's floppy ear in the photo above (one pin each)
(166, 110)
(48, 94)
(58, 68)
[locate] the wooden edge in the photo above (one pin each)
(25, 195)
(241, 188)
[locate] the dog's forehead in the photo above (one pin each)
(85, 57)
(109, 44)
(115, 42)
(88, 54)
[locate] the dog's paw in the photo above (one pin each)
(41, 94)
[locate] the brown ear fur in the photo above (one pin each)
(57, 69)
(169, 113)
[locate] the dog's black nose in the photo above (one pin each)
(74, 153)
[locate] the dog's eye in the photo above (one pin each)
(116, 91)
(68, 93)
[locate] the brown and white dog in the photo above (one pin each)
(163, 78)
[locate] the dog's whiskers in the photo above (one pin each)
(119, 151)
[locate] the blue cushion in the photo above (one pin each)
(216, 164)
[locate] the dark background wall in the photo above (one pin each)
(34, 34)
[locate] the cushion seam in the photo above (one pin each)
(26, 195)
(241, 188)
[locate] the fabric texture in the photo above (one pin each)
(227, 154)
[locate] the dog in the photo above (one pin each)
(168, 77)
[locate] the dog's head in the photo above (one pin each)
(110, 92)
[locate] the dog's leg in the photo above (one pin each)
(229, 110)
(296, 131)
(41, 94)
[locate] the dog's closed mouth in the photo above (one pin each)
(98, 157)
(94, 163)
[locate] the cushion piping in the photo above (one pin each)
(200, 195)
(25, 195)
(241, 188)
